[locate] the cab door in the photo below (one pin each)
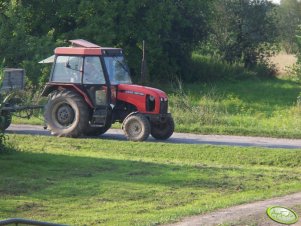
(94, 83)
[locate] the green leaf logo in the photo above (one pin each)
(282, 215)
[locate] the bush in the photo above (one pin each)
(2, 141)
(5, 146)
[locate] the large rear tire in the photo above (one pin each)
(163, 130)
(66, 114)
(136, 127)
(97, 131)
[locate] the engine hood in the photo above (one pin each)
(141, 90)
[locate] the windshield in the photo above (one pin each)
(117, 70)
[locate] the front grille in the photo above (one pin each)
(163, 107)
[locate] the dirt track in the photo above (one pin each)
(182, 138)
(242, 213)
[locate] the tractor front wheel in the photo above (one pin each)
(66, 114)
(136, 127)
(163, 130)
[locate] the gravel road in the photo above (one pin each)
(182, 138)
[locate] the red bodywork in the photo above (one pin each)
(136, 95)
(132, 94)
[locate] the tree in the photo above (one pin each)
(289, 14)
(296, 69)
(30, 29)
(171, 29)
(244, 30)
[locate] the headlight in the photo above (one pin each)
(151, 98)
(150, 103)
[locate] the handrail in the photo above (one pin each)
(28, 222)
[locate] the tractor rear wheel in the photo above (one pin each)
(96, 131)
(163, 130)
(136, 127)
(66, 114)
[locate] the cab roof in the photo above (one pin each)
(83, 47)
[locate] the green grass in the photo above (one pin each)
(249, 107)
(35, 120)
(96, 181)
(256, 107)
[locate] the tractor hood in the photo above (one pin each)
(141, 90)
(145, 99)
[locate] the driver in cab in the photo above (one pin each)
(93, 73)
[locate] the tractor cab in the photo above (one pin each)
(90, 88)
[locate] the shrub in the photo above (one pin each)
(2, 141)
(5, 146)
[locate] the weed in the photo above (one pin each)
(5, 146)
(2, 141)
(205, 111)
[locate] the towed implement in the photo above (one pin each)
(10, 102)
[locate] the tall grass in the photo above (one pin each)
(211, 68)
(267, 107)
(205, 110)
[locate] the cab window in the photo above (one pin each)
(93, 72)
(67, 69)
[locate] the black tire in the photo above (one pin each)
(136, 127)
(163, 130)
(97, 131)
(66, 114)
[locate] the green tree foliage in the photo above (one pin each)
(244, 30)
(289, 13)
(298, 41)
(296, 69)
(172, 29)
(30, 29)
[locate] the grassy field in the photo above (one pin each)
(106, 182)
(254, 107)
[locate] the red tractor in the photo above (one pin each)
(90, 89)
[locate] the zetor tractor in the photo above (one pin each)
(90, 89)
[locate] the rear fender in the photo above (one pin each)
(50, 87)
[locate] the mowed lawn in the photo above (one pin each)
(107, 182)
